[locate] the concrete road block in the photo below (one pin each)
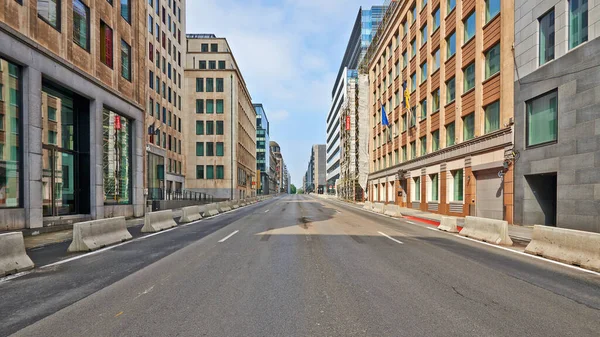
(209, 210)
(158, 221)
(368, 205)
(379, 207)
(224, 206)
(235, 204)
(488, 230)
(13, 258)
(566, 245)
(448, 224)
(190, 214)
(95, 234)
(392, 210)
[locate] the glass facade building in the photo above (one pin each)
(262, 149)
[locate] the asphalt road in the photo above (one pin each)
(298, 266)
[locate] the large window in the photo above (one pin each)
(451, 45)
(210, 106)
(199, 127)
(436, 19)
(199, 171)
(81, 24)
(116, 158)
(450, 134)
(126, 10)
(210, 127)
(547, 35)
(435, 185)
(126, 61)
(424, 35)
(199, 106)
(423, 141)
(220, 172)
(542, 119)
(210, 84)
(413, 150)
(413, 82)
(578, 22)
(492, 8)
(106, 44)
(457, 185)
(423, 72)
(417, 185)
(220, 109)
(210, 149)
(220, 149)
(49, 11)
(435, 100)
(435, 140)
(199, 85)
(220, 128)
(436, 60)
(10, 126)
(424, 109)
(469, 126)
(469, 80)
(469, 24)
(492, 117)
(219, 85)
(451, 4)
(199, 149)
(210, 172)
(492, 61)
(450, 90)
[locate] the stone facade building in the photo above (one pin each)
(72, 84)
(557, 114)
(447, 148)
(219, 123)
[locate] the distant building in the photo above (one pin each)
(262, 150)
(315, 177)
(221, 121)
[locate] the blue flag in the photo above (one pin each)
(384, 119)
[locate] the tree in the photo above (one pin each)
(293, 189)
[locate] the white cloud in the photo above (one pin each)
(278, 116)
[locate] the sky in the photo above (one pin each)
(289, 52)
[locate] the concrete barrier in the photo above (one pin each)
(190, 214)
(379, 207)
(13, 258)
(235, 204)
(209, 210)
(448, 224)
(95, 234)
(368, 205)
(224, 206)
(566, 245)
(158, 221)
(488, 230)
(392, 210)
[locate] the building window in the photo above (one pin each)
(210, 106)
(424, 35)
(423, 4)
(214, 48)
(423, 72)
(204, 48)
(220, 149)
(413, 150)
(125, 10)
(423, 141)
(199, 171)
(436, 19)
(413, 48)
(210, 149)
(417, 184)
(202, 65)
(10, 154)
(434, 192)
(457, 185)
(151, 78)
(492, 8)
(547, 35)
(199, 149)
(199, 85)
(210, 172)
(436, 60)
(451, 45)
(220, 172)
(492, 61)
(212, 65)
(469, 126)
(221, 65)
(219, 127)
(404, 59)
(220, 85)
(492, 117)
(116, 158)
(49, 11)
(220, 109)
(81, 24)
(542, 119)
(469, 74)
(450, 134)
(413, 82)
(435, 140)
(199, 106)
(450, 90)
(210, 84)
(413, 116)
(404, 153)
(210, 127)
(414, 13)
(469, 24)
(151, 24)
(106, 44)
(578, 22)
(199, 128)
(435, 100)
(424, 109)
(125, 61)
(451, 4)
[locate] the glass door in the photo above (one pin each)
(59, 179)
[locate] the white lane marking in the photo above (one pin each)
(410, 222)
(531, 256)
(267, 211)
(391, 238)
(14, 276)
(228, 236)
(433, 229)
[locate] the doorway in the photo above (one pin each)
(541, 190)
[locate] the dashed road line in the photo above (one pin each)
(228, 236)
(391, 238)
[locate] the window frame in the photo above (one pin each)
(541, 36)
(58, 25)
(87, 24)
(127, 47)
(527, 103)
(465, 30)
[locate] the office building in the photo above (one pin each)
(447, 148)
(71, 111)
(165, 158)
(220, 144)
(557, 167)
(262, 151)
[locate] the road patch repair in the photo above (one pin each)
(13, 258)
(93, 235)
(190, 214)
(487, 230)
(158, 221)
(568, 246)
